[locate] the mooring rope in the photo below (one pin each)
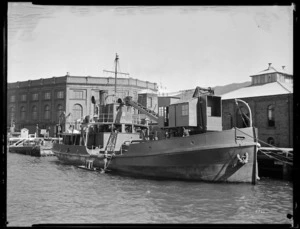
(287, 153)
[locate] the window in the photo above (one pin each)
(78, 95)
(34, 113)
(60, 94)
(270, 79)
(271, 141)
(161, 111)
(35, 96)
(59, 111)
(184, 109)
(149, 102)
(23, 113)
(271, 118)
(12, 98)
(12, 111)
(47, 112)
(77, 111)
(47, 95)
(23, 97)
(134, 97)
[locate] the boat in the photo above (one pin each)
(189, 146)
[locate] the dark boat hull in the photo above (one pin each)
(212, 157)
(215, 165)
(26, 150)
(75, 155)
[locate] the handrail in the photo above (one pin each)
(246, 104)
(151, 114)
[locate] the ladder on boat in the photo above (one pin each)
(111, 143)
(144, 110)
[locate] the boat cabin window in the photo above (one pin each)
(213, 106)
(117, 128)
(128, 128)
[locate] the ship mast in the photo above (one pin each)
(116, 66)
(116, 72)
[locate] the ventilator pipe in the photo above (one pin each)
(246, 104)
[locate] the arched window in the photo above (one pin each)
(23, 113)
(12, 111)
(59, 111)
(77, 112)
(47, 112)
(271, 119)
(271, 141)
(34, 113)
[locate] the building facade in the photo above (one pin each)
(270, 98)
(66, 99)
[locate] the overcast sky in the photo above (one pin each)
(180, 47)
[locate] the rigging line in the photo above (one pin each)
(272, 154)
(264, 142)
(289, 163)
(277, 154)
(241, 113)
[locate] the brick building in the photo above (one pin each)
(270, 97)
(44, 101)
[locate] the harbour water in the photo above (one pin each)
(44, 190)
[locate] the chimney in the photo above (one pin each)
(269, 65)
(283, 67)
(68, 73)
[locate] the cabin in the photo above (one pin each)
(201, 113)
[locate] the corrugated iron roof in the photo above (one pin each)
(275, 88)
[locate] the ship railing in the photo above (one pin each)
(106, 117)
(109, 117)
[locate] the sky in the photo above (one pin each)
(177, 47)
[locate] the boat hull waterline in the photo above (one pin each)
(205, 157)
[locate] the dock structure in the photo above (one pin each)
(38, 147)
(275, 162)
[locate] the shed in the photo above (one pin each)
(24, 133)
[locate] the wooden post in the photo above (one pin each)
(286, 171)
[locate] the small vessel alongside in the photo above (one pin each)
(33, 146)
(189, 145)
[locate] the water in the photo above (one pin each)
(44, 190)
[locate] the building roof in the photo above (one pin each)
(275, 88)
(271, 69)
(147, 91)
(185, 100)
